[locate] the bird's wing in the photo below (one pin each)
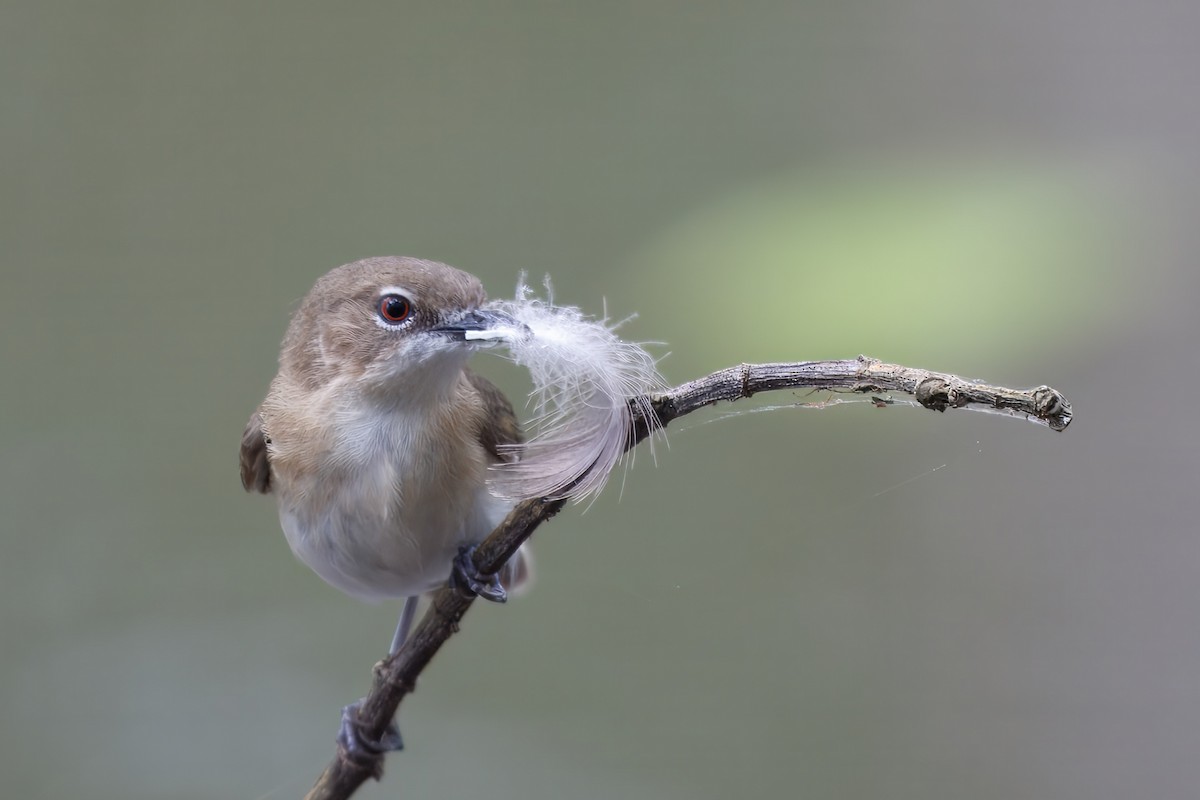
(500, 430)
(500, 434)
(256, 470)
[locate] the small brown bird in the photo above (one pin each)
(376, 439)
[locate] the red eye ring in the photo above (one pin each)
(394, 308)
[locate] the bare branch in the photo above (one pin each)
(396, 676)
(937, 391)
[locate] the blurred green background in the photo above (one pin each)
(846, 603)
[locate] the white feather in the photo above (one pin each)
(584, 377)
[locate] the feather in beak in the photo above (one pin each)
(583, 376)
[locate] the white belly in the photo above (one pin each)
(374, 556)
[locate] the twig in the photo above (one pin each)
(396, 676)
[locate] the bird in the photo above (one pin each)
(376, 439)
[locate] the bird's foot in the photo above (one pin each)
(359, 748)
(466, 578)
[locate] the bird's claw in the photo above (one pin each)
(466, 578)
(360, 748)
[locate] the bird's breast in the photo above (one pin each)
(390, 503)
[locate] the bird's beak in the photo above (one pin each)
(484, 325)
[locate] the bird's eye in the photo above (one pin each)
(394, 308)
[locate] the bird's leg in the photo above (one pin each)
(351, 739)
(407, 614)
(466, 578)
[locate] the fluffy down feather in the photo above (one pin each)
(584, 377)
